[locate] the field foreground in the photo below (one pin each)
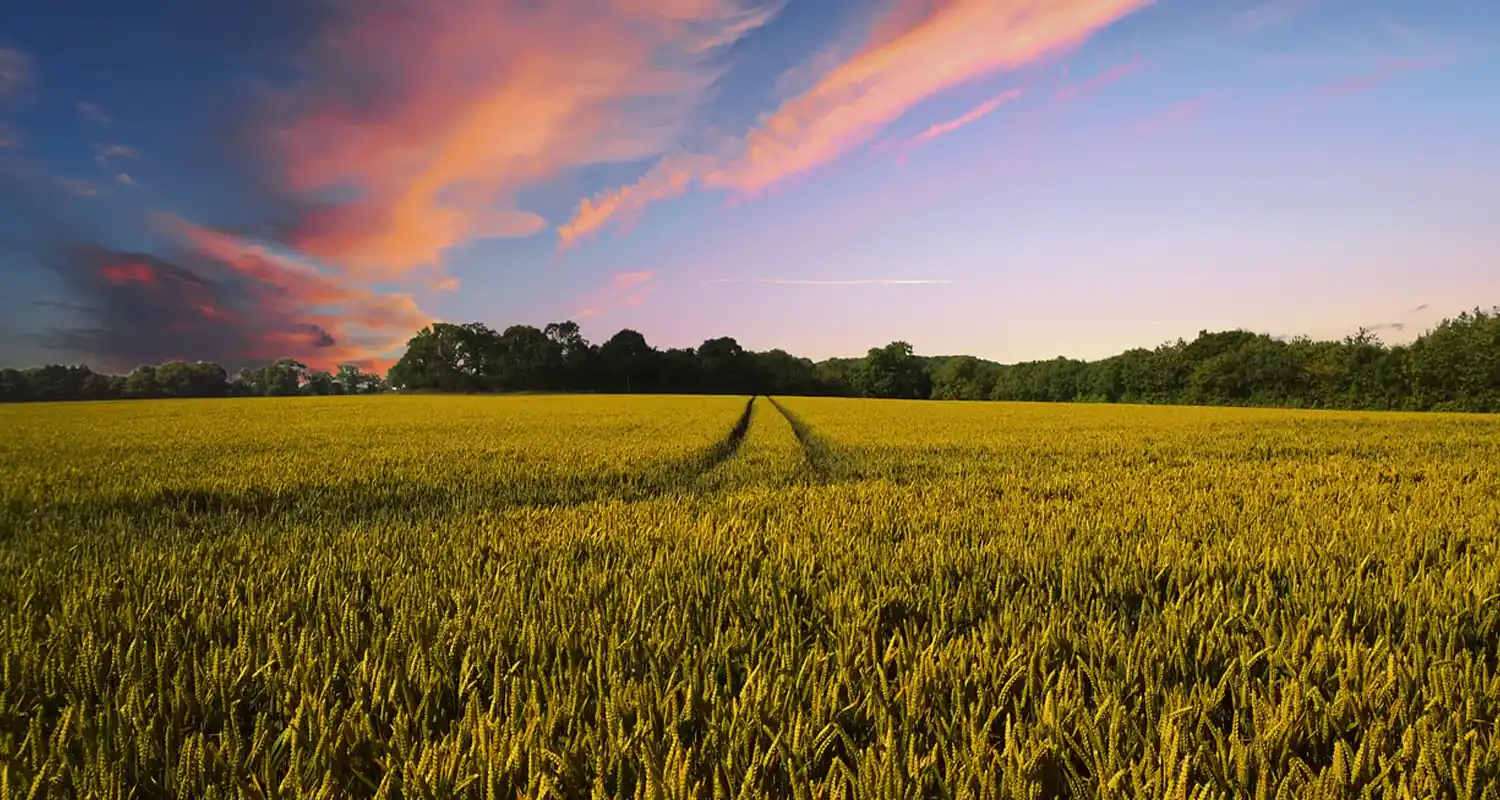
(692, 597)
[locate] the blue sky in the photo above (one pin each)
(1014, 179)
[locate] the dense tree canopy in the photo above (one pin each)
(182, 379)
(1455, 366)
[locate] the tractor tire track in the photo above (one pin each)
(724, 449)
(820, 457)
(369, 500)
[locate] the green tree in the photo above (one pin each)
(892, 371)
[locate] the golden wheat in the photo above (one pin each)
(620, 597)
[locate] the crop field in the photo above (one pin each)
(719, 597)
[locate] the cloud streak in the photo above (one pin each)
(91, 112)
(1269, 14)
(434, 117)
(916, 50)
(143, 309)
(1177, 115)
(624, 290)
(16, 70)
(974, 115)
(1091, 86)
(849, 282)
(919, 50)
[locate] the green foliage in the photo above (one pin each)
(641, 597)
(892, 371)
(1454, 367)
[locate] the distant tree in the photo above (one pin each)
(184, 379)
(14, 388)
(725, 367)
(1455, 366)
(891, 371)
(436, 358)
(141, 382)
(317, 382)
(963, 378)
(627, 360)
(527, 360)
(778, 372)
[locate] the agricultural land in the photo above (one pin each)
(733, 597)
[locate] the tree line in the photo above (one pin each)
(1454, 367)
(281, 378)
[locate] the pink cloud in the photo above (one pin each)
(362, 325)
(847, 282)
(624, 290)
(1177, 115)
(668, 178)
(435, 116)
(974, 115)
(925, 49)
(916, 49)
(1091, 86)
(1269, 14)
(1358, 84)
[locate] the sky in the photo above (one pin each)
(1012, 179)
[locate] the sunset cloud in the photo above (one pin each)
(1269, 14)
(668, 178)
(924, 49)
(1359, 84)
(143, 309)
(356, 323)
(91, 112)
(15, 73)
(79, 188)
(432, 118)
(974, 115)
(624, 290)
(916, 50)
(106, 154)
(1177, 115)
(851, 282)
(1092, 85)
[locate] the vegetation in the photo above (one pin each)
(1454, 367)
(282, 378)
(684, 597)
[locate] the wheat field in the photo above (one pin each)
(714, 597)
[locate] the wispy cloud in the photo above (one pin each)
(668, 178)
(975, 114)
(93, 113)
(918, 56)
(16, 70)
(357, 323)
(917, 49)
(1422, 307)
(1176, 115)
(624, 290)
(8, 136)
(1092, 85)
(435, 117)
(1269, 14)
(107, 153)
(79, 187)
(1359, 84)
(849, 282)
(140, 308)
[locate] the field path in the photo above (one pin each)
(820, 458)
(770, 456)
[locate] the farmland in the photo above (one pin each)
(672, 597)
